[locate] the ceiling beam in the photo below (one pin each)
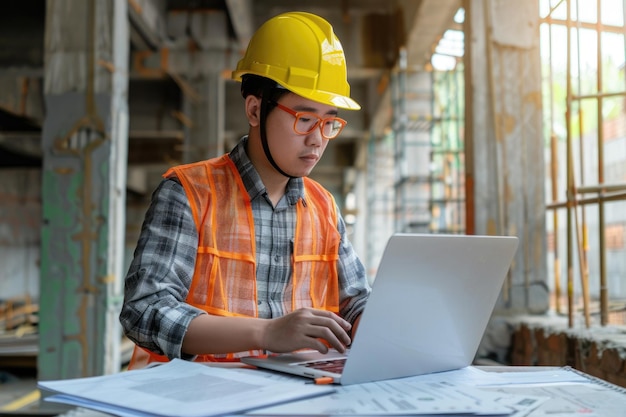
(432, 19)
(426, 25)
(146, 19)
(241, 17)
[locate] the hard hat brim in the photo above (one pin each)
(324, 97)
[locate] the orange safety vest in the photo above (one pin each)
(224, 280)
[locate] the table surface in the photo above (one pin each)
(610, 403)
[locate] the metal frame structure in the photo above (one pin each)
(582, 194)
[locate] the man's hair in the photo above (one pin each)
(258, 86)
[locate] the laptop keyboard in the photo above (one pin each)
(333, 365)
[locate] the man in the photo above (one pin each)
(243, 254)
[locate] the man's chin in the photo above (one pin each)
(300, 173)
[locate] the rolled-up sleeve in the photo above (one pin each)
(154, 314)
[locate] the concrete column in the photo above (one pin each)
(504, 141)
(84, 145)
(204, 136)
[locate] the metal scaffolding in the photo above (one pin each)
(587, 130)
(447, 179)
(380, 198)
(429, 156)
(412, 101)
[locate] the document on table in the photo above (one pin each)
(388, 398)
(569, 392)
(433, 394)
(543, 377)
(189, 389)
(180, 388)
(571, 399)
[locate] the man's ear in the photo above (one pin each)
(253, 110)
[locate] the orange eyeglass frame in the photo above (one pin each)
(320, 121)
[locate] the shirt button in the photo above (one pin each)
(276, 258)
(259, 302)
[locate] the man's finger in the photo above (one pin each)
(329, 314)
(336, 338)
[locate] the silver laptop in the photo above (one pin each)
(431, 300)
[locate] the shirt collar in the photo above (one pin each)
(252, 181)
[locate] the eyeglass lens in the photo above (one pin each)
(306, 123)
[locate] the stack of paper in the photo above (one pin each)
(178, 388)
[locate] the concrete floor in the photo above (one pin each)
(18, 390)
(18, 379)
(19, 395)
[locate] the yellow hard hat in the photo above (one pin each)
(300, 52)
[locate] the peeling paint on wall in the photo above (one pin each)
(20, 225)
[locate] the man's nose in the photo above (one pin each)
(315, 138)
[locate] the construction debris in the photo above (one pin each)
(17, 312)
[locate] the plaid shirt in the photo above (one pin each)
(154, 314)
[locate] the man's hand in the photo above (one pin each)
(303, 329)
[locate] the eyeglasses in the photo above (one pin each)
(306, 122)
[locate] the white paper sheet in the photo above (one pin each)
(405, 396)
(179, 388)
(571, 399)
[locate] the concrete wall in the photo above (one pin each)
(547, 341)
(20, 229)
